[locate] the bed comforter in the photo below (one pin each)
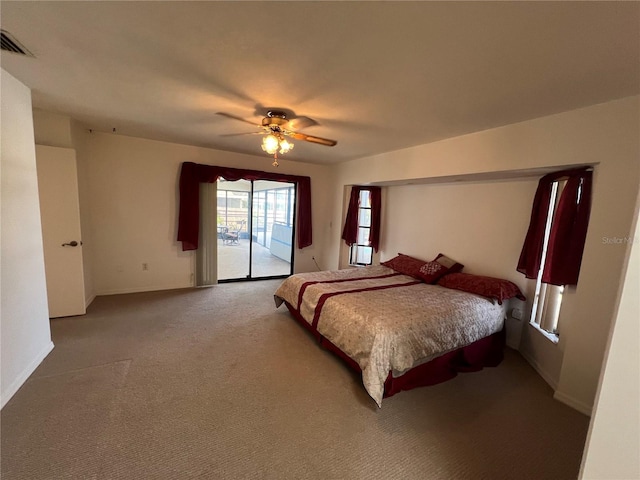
(388, 322)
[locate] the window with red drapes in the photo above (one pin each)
(192, 174)
(554, 244)
(362, 224)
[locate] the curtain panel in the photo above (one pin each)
(207, 252)
(192, 174)
(568, 229)
(350, 231)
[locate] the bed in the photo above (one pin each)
(398, 331)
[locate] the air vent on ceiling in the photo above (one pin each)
(10, 44)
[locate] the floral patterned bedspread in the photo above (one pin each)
(386, 321)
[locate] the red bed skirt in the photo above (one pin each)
(486, 352)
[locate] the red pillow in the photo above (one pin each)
(431, 271)
(485, 286)
(405, 264)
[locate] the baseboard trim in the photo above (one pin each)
(26, 373)
(557, 395)
(89, 300)
(573, 403)
(543, 373)
(121, 291)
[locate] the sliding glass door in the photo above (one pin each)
(272, 228)
(255, 229)
(233, 214)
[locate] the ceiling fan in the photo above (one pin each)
(275, 126)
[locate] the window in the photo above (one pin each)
(362, 224)
(361, 252)
(548, 297)
(554, 244)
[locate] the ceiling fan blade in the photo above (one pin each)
(309, 138)
(299, 123)
(233, 117)
(238, 134)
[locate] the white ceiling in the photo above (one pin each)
(376, 76)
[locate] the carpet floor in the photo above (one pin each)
(216, 383)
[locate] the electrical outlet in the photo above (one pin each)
(516, 313)
(145, 266)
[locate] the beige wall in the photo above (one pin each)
(477, 223)
(25, 337)
(52, 129)
(132, 186)
(605, 135)
(613, 443)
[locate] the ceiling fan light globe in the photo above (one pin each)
(268, 150)
(270, 144)
(285, 146)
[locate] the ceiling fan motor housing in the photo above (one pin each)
(274, 118)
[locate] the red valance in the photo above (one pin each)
(192, 174)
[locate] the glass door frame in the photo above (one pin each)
(250, 276)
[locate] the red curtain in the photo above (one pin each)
(568, 229)
(350, 231)
(192, 174)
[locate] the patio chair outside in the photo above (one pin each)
(232, 237)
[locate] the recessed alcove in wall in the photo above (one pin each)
(504, 175)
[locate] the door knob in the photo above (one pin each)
(71, 244)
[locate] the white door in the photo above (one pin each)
(60, 216)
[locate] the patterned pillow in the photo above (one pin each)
(405, 264)
(495, 288)
(431, 271)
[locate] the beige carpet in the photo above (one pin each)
(217, 384)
